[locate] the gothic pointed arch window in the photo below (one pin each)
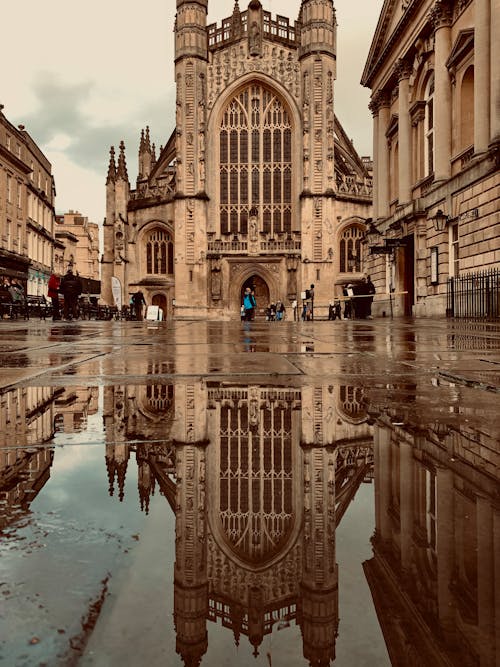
(350, 249)
(256, 506)
(255, 144)
(159, 248)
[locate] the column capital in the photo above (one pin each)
(441, 14)
(380, 99)
(403, 69)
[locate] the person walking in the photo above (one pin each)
(249, 304)
(139, 302)
(280, 311)
(370, 291)
(18, 297)
(70, 288)
(53, 293)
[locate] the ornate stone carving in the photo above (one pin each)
(441, 14)
(403, 69)
(235, 62)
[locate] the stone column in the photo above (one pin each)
(444, 547)
(496, 576)
(441, 16)
(383, 156)
(485, 590)
(403, 71)
(383, 480)
(494, 71)
(374, 108)
(406, 503)
(482, 75)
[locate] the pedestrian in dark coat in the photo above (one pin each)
(53, 293)
(70, 288)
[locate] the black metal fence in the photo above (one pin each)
(475, 295)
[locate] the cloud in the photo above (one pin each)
(63, 122)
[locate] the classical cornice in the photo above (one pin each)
(379, 50)
(16, 162)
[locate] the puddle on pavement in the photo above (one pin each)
(227, 524)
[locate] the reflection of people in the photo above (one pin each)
(139, 301)
(249, 304)
(53, 293)
(70, 288)
(370, 291)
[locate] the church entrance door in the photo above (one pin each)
(161, 301)
(261, 293)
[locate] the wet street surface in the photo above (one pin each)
(236, 494)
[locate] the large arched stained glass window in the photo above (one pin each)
(159, 253)
(255, 162)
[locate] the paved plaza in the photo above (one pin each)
(221, 493)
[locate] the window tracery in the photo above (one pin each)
(350, 249)
(256, 496)
(255, 144)
(159, 253)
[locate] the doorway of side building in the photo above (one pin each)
(160, 300)
(261, 294)
(409, 274)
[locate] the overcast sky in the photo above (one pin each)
(81, 76)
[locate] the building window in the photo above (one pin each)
(9, 189)
(159, 253)
(7, 142)
(255, 144)
(454, 251)
(467, 110)
(350, 249)
(19, 191)
(429, 127)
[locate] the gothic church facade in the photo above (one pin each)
(258, 184)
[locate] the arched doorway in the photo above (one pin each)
(160, 300)
(261, 291)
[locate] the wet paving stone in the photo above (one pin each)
(232, 494)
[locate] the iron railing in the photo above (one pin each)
(475, 295)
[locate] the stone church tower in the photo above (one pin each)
(258, 185)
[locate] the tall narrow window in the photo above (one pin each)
(159, 253)
(455, 251)
(350, 249)
(255, 145)
(467, 110)
(429, 127)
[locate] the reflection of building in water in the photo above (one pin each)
(141, 415)
(26, 419)
(74, 406)
(436, 566)
(259, 477)
(256, 511)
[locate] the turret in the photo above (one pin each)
(108, 233)
(318, 27)
(190, 29)
(145, 156)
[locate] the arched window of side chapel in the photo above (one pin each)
(159, 250)
(255, 156)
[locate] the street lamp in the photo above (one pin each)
(372, 234)
(439, 220)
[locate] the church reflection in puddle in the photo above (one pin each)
(260, 477)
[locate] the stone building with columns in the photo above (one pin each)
(258, 184)
(434, 574)
(434, 68)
